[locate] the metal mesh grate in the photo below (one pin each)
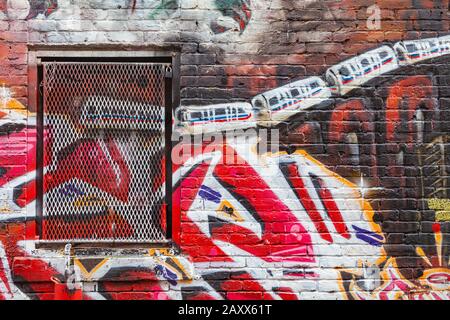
(103, 155)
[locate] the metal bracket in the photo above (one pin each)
(168, 72)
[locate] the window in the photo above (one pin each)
(259, 104)
(273, 101)
(295, 93)
(314, 85)
(104, 170)
(220, 111)
(411, 47)
(383, 54)
(344, 71)
(365, 63)
(196, 115)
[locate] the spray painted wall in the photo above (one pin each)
(353, 206)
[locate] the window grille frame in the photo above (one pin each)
(38, 56)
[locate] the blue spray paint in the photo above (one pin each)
(368, 236)
(209, 194)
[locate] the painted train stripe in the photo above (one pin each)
(368, 236)
(220, 119)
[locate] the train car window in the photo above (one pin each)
(220, 111)
(259, 104)
(295, 92)
(196, 115)
(273, 101)
(241, 110)
(383, 54)
(411, 47)
(344, 71)
(365, 63)
(314, 85)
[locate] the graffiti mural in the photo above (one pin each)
(239, 11)
(163, 8)
(45, 7)
(233, 228)
(354, 204)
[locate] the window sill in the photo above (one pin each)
(106, 264)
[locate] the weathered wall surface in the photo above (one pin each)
(355, 205)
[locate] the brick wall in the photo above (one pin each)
(353, 206)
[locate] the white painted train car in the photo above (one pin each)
(281, 103)
(444, 44)
(103, 112)
(214, 118)
(352, 73)
(413, 51)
